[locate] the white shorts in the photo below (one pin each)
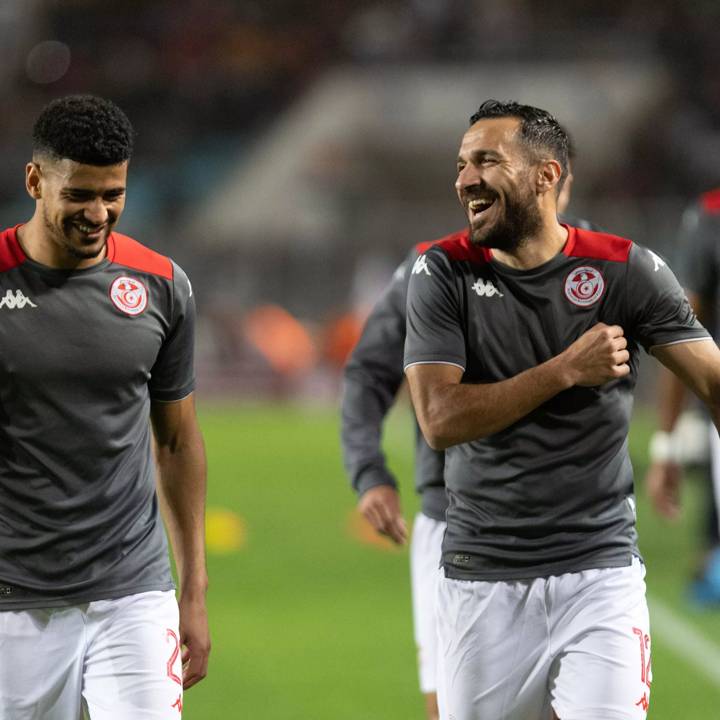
(715, 466)
(104, 660)
(425, 553)
(579, 643)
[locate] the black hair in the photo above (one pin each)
(539, 130)
(84, 128)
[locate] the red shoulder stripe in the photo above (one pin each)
(459, 247)
(123, 250)
(11, 254)
(710, 201)
(424, 246)
(596, 245)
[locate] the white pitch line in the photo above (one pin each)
(685, 639)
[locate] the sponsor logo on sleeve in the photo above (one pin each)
(15, 300)
(420, 266)
(485, 288)
(128, 295)
(584, 286)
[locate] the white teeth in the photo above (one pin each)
(479, 204)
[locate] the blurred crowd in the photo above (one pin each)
(203, 81)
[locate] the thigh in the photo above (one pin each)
(41, 655)
(425, 551)
(133, 667)
(493, 650)
(602, 669)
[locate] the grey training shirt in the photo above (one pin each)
(552, 493)
(82, 353)
(372, 378)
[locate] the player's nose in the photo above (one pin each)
(96, 212)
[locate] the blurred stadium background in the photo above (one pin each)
(288, 154)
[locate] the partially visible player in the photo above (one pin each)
(521, 355)
(97, 338)
(372, 378)
(699, 272)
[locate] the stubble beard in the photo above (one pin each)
(521, 221)
(62, 237)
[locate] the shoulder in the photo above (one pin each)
(11, 254)
(710, 202)
(456, 246)
(129, 253)
(595, 245)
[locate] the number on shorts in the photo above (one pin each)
(173, 638)
(645, 661)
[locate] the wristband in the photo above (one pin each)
(663, 448)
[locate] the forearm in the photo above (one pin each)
(363, 411)
(672, 397)
(181, 491)
(456, 413)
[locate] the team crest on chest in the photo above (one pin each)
(584, 286)
(128, 295)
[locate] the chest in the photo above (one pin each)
(78, 329)
(517, 321)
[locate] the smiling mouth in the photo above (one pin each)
(479, 206)
(89, 230)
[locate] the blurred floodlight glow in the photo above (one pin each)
(48, 61)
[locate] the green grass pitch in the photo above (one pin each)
(309, 623)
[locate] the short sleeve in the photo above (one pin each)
(658, 310)
(173, 374)
(434, 332)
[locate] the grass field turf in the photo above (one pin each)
(309, 623)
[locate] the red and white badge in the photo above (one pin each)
(128, 295)
(584, 286)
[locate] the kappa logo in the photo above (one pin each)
(584, 286)
(15, 300)
(420, 266)
(128, 295)
(657, 260)
(485, 288)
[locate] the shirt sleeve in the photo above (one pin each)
(173, 374)
(434, 318)
(658, 310)
(371, 380)
(697, 240)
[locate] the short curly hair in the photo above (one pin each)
(539, 130)
(84, 128)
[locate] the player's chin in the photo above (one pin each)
(479, 236)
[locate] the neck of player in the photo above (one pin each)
(538, 249)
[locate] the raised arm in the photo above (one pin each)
(181, 464)
(451, 413)
(697, 364)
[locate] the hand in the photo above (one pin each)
(194, 639)
(597, 356)
(662, 485)
(381, 507)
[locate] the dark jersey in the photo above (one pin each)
(553, 492)
(699, 255)
(82, 353)
(372, 378)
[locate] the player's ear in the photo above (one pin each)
(33, 177)
(548, 175)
